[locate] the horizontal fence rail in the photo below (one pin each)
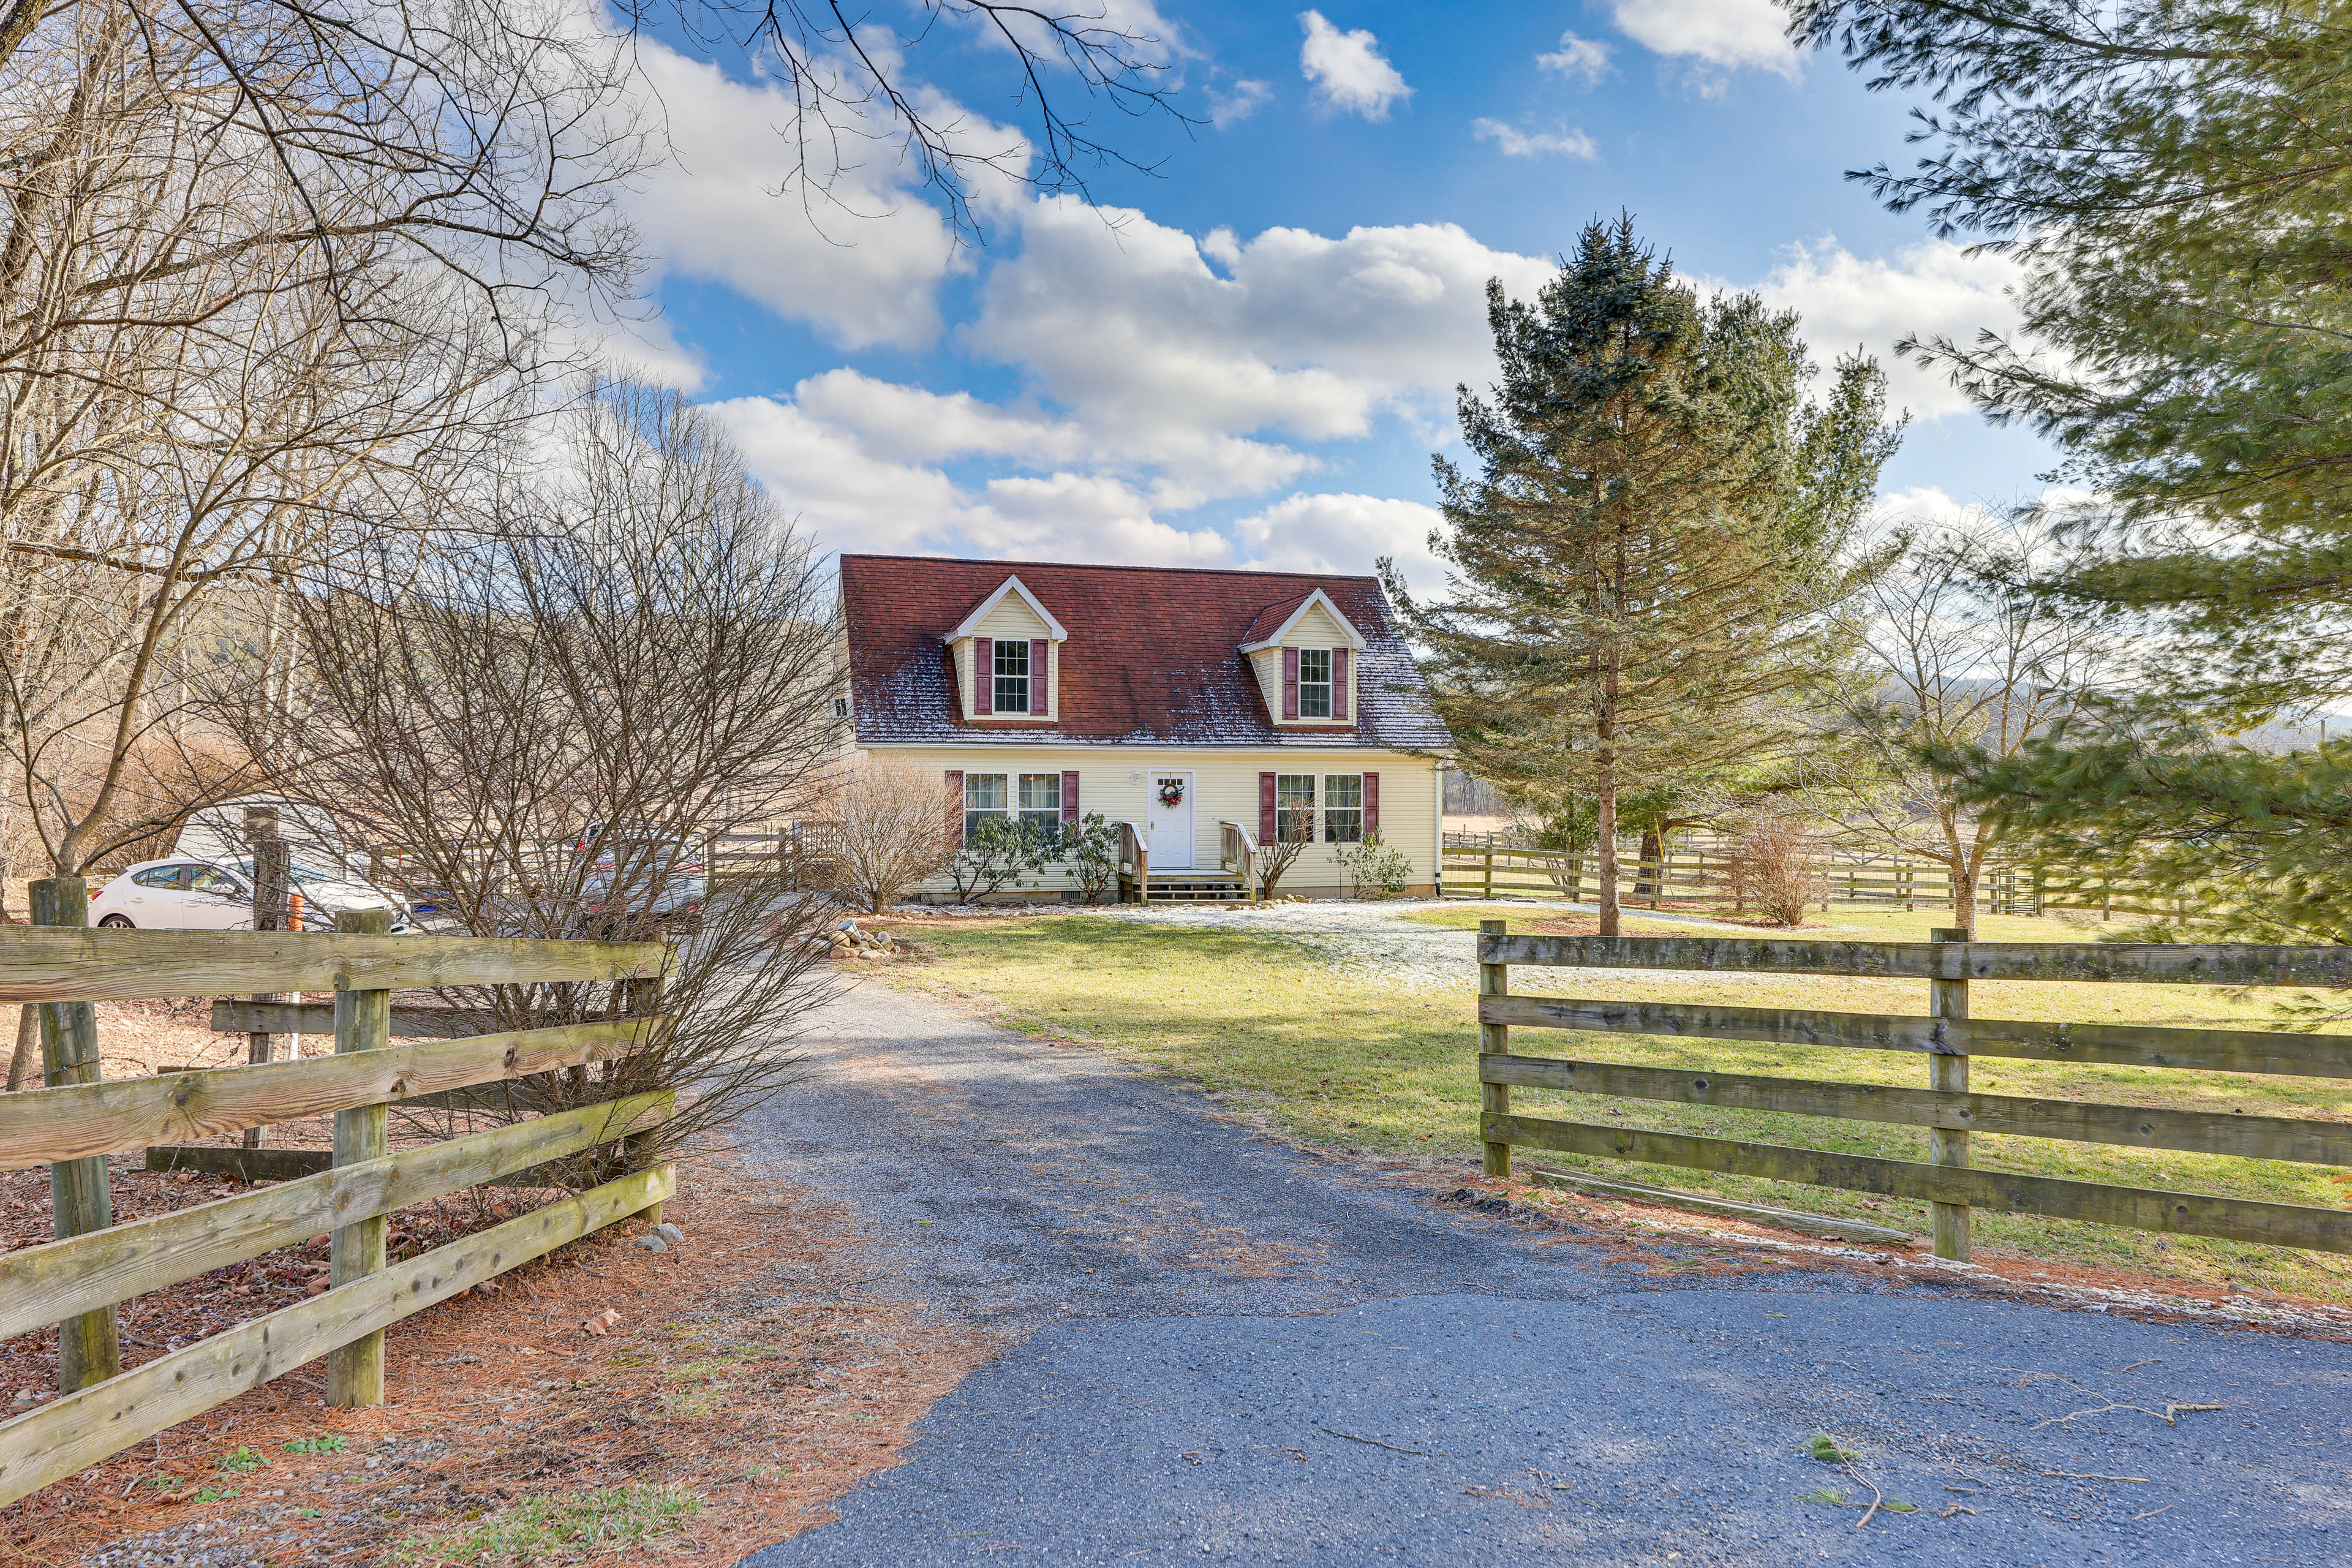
(81, 1428)
(1946, 1108)
(48, 964)
(2106, 1045)
(58, 1279)
(74, 1123)
(2169, 963)
(41, 1127)
(1708, 872)
(2055, 1197)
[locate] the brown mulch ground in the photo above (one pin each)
(744, 1370)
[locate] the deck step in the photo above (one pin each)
(1195, 888)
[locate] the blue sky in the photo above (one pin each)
(1248, 356)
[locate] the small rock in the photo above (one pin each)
(653, 1244)
(669, 1232)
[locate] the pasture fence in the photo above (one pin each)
(75, 1120)
(1704, 874)
(1948, 1037)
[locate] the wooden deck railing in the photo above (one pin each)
(1948, 1038)
(1237, 852)
(77, 1280)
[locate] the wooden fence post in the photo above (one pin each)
(273, 903)
(644, 1149)
(89, 1347)
(1949, 999)
(1489, 892)
(363, 1022)
(1495, 1040)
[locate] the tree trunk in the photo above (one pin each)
(1606, 842)
(24, 1063)
(1964, 896)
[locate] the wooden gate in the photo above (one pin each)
(1948, 1037)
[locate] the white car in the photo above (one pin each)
(183, 894)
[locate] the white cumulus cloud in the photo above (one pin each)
(1578, 59)
(1348, 73)
(1932, 288)
(859, 258)
(1343, 533)
(1163, 372)
(1727, 34)
(1229, 106)
(1518, 143)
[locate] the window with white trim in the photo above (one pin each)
(1315, 683)
(984, 796)
(1294, 808)
(1343, 809)
(1012, 675)
(1040, 802)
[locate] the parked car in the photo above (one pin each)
(635, 880)
(216, 834)
(180, 894)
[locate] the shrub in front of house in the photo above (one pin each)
(998, 853)
(1374, 868)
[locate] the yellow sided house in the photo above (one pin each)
(1210, 711)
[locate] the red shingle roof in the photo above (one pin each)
(1152, 655)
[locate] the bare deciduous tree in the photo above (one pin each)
(1954, 658)
(226, 353)
(1776, 862)
(895, 828)
(1278, 854)
(545, 720)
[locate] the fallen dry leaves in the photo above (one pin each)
(743, 1365)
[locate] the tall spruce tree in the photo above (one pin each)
(1655, 530)
(2176, 178)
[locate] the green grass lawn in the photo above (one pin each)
(1339, 1062)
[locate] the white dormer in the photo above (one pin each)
(1008, 658)
(1304, 655)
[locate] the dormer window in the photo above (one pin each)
(1008, 658)
(1315, 683)
(1304, 652)
(1012, 676)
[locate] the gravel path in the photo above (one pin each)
(1373, 940)
(1218, 1349)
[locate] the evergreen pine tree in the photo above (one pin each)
(1640, 561)
(2173, 175)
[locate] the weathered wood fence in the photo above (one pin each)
(1948, 1038)
(1486, 867)
(74, 1123)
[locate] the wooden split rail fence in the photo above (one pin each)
(1487, 869)
(1948, 1037)
(74, 1123)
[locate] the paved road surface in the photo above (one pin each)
(1221, 1351)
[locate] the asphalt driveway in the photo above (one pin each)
(1218, 1349)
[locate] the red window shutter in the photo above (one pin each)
(1371, 803)
(1290, 683)
(984, 675)
(1339, 683)
(1265, 809)
(1037, 676)
(1069, 797)
(955, 806)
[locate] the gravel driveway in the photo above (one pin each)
(1374, 941)
(1218, 1349)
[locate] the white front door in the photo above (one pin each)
(1169, 828)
